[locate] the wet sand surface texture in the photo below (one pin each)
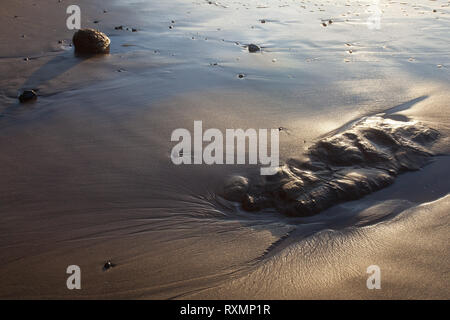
(86, 176)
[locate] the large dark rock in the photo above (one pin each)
(345, 166)
(90, 41)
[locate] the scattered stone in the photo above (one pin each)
(263, 21)
(96, 21)
(119, 28)
(170, 27)
(90, 41)
(134, 30)
(241, 75)
(26, 59)
(330, 21)
(28, 95)
(235, 188)
(253, 48)
(324, 24)
(108, 265)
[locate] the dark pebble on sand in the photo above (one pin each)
(28, 95)
(253, 48)
(108, 265)
(119, 28)
(241, 75)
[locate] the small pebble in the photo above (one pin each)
(253, 48)
(28, 95)
(108, 265)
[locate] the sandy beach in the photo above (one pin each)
(86, 170)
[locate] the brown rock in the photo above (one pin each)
(90, 41)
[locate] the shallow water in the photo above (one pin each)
(86, 171)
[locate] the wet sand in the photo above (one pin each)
(86, 175)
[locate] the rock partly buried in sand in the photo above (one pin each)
(90, 41)
(28, 95)
(253, 48)
(236, 188)
(345, 166)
